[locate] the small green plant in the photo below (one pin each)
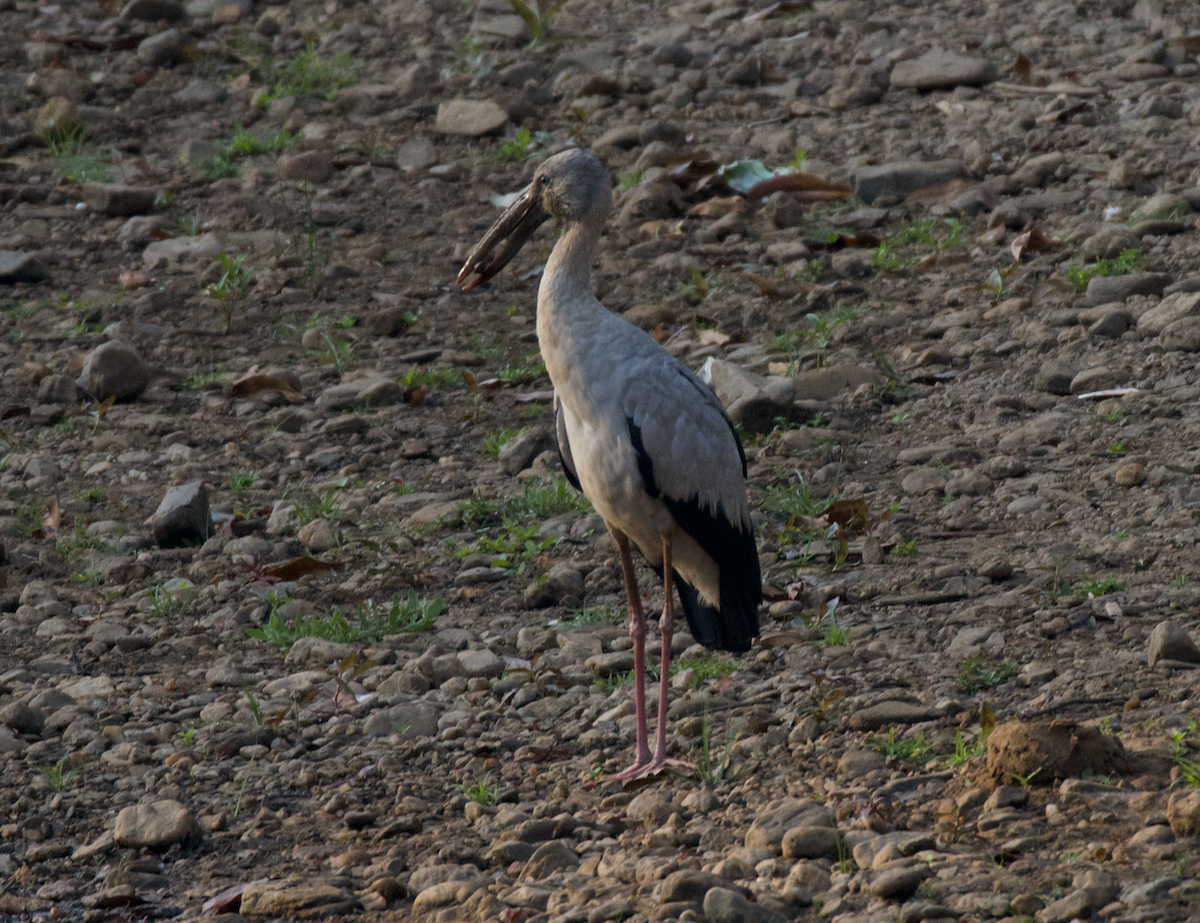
(1126, 262)
(834, 633)
(1026, 780)
(918, 240)
(537, 21)
(594, 615)
(427, 378)
(74, 164)
(703, 669)
(60, 780)
(905, 549)
(308, 75)
(481, 792)
(816, 337)
(909, 749)
(630, 180)
(973, 678)
(1091, 587)
(1182, 754)
(311, 505)
(796, 500)
(403, 616)
(1179, 582)
(187, 736)
(965, 752)
(1117, 447)
(89, 578)
(166, 603)
(517, 148)
(255, 707)
(221, 166)
(1117, 535)
(495, 440)
(241, 480)
(713, 770)
(233, 284)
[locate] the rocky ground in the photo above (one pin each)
(298, 618)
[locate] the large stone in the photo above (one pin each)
(724, 905)
(1183, 813)
(183, 517)
(1171, 309)
(939, 69)
(1106, 289)
(470, 117)
(176, 249)
(21, 267)
(518, 452)
(114, 200)
(114, 369)
(408, 719)
(162, 50)
(777, 817)
(901, 179)
(1169, 641)
(293, 899)
(154, 826)
(307, 167)
(1183, 335)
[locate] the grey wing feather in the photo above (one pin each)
(688, 438)
(564, 446)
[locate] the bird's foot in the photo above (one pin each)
(651, 768)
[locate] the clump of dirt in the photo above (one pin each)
(1043, 751)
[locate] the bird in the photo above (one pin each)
(645, 440)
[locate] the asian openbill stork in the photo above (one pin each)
(645, 440)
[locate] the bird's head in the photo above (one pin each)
(571, 186)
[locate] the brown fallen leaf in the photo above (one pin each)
(782, 639)
(1023, 69)
(803, 186)
(299, 567)
(52, 520)
(250, 385)
(718, 208)
(659, 333)
(849, 514)
(415, 395)
(1032, 241)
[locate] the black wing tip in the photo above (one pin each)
(732, 628)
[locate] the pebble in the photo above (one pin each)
(470, 117)
(1169, 641)
(155, 825)
(183, 517)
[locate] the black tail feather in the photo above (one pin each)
(732, 627)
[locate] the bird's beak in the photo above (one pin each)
(514, 227)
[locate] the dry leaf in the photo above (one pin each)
(1032, 241)
(52, 520)
(782, 639)
(469, 380)
(132, 279)
(415, 396)
(299, 567)
(803, 186)
(849, 514)
(250, 385)
(659, 333)
(718, 208)
(1023, 70)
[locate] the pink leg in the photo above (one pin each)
(637, 630)
(645, 765)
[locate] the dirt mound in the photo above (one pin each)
(1043, 751)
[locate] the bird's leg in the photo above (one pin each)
(637, 630)
(666, 627)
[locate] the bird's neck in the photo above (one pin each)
(566, 290)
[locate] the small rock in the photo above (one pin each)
(1112, 325)
(900, 180)
(21, 267)
(555, 856)
(887, 713)
(1095, 379)
(56, 119)
(481, 663)
(470, 117)
(416, 154)
(1169, 641)
(57, 389)
(1108, 242)
(307, 167)
(183, 516)
(1104, 289)
(1051, 749)
(898, 884)
(294, 899)
(1183, 335)
(153, 10)
(518, 452)
(813, 843)
(117, 201)
(1183, 813)
(1054, 378)
(723, 905)
(318, 535)
(22, 718)
(408, 719)
(1130, 474)
(940, 69)
(162, 50)
(114, 369)
(155, 826)
(1172, 308)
